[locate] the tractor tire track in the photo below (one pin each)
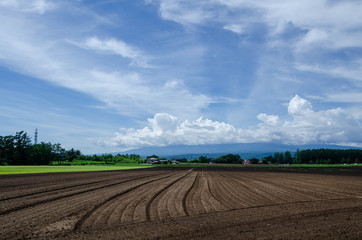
(170, 204)
(136, 202)
(221, 195)
(223, 205)
(79, 224)
(148, 206)
(29, 205)
(53, 190)
(187, 194)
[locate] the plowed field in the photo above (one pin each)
(181, 203)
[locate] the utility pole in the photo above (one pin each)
(36, 136)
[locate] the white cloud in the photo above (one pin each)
(351, 70)
(299, 106)
(306, 127)
(332, 25)
(165, 129)
(236, 28)
(185, 12)
(344, 97)
(163, 122)
(316, 36)
(272, 120)
(117, 47)
(37, 6)
(31, 47)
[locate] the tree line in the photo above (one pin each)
(308, 156)
(19, 150)
(229, 158)
(316, 156)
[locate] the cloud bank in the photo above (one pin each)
(305, 126)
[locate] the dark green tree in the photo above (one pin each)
(268, 160)
(253, 161)
(287, 158)
(22, 148)
(7, 147)
(203, 159)
(71, 154)
(230, 158)
(279, 158)
(42, 154)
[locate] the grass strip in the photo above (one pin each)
(49, 169)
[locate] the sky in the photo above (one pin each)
(114, 75)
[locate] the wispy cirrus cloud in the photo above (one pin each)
(31, 46)
(236, 28)
(289, 38)
(115, 47)
(37, 6)
(185, 12)
(338, 69)
(326, 24)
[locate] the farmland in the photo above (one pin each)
(181, 203)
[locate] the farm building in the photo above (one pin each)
(152, 161)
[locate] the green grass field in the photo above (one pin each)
(48, 169)
(260, 165)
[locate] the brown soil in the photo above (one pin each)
(181, 203)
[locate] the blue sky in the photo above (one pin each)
(113, 75)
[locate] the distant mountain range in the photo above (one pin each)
(245, 150)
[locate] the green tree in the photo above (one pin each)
(42, 154)
(7, 150)
(253, 161)
(267, 160)
(297, 157)
(279, 158)
(230, 158)
(71, 154)
(203, 159)
(22, 146)
(287, 157)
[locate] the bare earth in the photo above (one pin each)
(181, 203)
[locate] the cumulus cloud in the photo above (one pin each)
(165, 129)
(163, 123)
(272, 120)
(299, 106)
(306, 127)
